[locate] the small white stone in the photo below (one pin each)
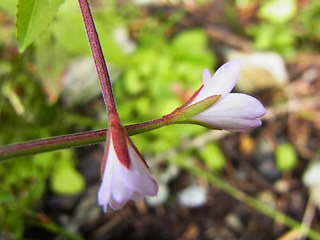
(80, 82)
(122, 38)
(259, 70)
(193, 196)
(311, 176)
(171, 172)
(233, 221)
(145, 2)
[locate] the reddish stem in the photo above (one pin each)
(98, 57)
(71, 140)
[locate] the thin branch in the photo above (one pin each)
(98, 57)
(71, 140)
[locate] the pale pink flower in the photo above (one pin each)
(125, 174)
(232, 111)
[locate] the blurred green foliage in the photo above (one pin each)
(152, 79)
(23, 182)
(65, 180)
(277, 37)
(309, 19)
(286, 157)
(213, 157)
(283, 27)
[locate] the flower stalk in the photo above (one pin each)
(71, 140)
(216, 103)
(98, 57)
(124, 173)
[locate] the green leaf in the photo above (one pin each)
(309, 19)
(286, 157)
(9, 6)
(133, 83)
(190, 43)
(213, 157)
(278, 11)
(65, 179)
(33, 17)
(5, 196)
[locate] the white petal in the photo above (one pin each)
(120, 191)
(239, 105)
(114, 205)
(206, 76)
(120, 184)
(236, 112)
(137, 197)
(140, 177)
(105, 191)
(221, 82)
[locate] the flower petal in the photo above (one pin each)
(114, 205)
(236, 112)
(121, 184)
(206, 76)
(140, 177)
(221, 82)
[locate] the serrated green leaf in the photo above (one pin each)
(33, 17)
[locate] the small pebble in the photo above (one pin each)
(234, 222)
(193, 196)
(259, 70)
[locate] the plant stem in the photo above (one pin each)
(98, 57)
(41, 220)
(250, 201)
(71, 140)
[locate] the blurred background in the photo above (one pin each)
(156, 51)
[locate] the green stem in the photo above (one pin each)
(250, 201)
(71, 140)
(179, 116)
(46, 223)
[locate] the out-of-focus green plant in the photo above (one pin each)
(286, 157)
(213, 157)
(275, 32)
(284, 27)
(22, 185)
(274, 36)
(309, 19)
